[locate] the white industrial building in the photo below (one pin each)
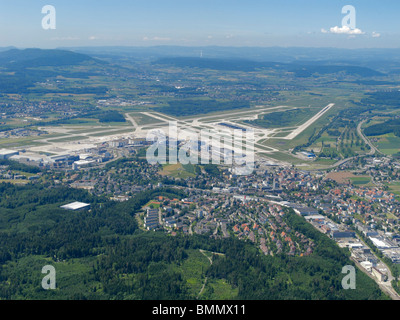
(367, 265)
(6, 154)
(74, 206)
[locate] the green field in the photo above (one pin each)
(280, 156)
(68, 139)
(327, 162)
(178, 171)
(110, 133)
(143, 119)
(152, 204)
(219, 289)
(286, 118)
(193, 270)
(394, 187)
(388, 144)
(29, 141)
(360, 181)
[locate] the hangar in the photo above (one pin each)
(74, 206)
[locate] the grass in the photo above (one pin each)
(226, 114)
(153, 204)
(26, 174)
(67, 139)
(394, 188)
(5, 143)
(14, 181)
(361, 180)
(70, 277)
(280, 156)
(177, 171)
(110, 133)
(86, 131)
(143, 119)
(304, 136)
(193, 270)
(327, 162)
(285, 118)
(220, 289)
(388, 144)
(391, 216)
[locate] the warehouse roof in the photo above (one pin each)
(75, 206)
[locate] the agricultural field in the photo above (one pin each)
(361, 181)
(388, 144)
(178, 171)
(342, 177)
(394, 187)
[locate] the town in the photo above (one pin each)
(220, 204)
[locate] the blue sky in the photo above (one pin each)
(199, 23)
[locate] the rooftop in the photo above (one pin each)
(75, 206)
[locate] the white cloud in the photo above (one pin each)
(352, 33)
(93, 38)
(64, 38)
(375, 34)
(345, 30)
(156, 39)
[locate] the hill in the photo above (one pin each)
(29, 58)
(216, 64)
(22, 69)
(300, 69)
(102, 254)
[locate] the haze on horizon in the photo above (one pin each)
(287, 23)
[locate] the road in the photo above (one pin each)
(372, 151)
(366, 140)
(387, 285)
(384, 286)
(209, 259)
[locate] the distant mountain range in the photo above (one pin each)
(28, 58)
(279, 54)
(29, 66)
(376, 59)
(382, 60)
(300, 69)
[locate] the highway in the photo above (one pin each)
(366, 140)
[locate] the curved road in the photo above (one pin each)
(372, 151)
(366, 140)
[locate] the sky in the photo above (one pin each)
(261, 23)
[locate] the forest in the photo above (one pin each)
(111, 116)
(102, 253)
(382, 99)
(13, 165)
(389, 126)
(309, 71)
